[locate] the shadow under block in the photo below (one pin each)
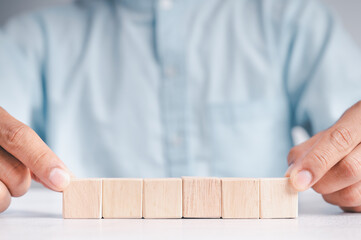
(83, 199)
(162, 198)
(277, 198)
(201, 197)
(240, 198)
(122, 198)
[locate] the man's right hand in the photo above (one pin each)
(23, 155)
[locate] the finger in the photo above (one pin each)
(36, 179)
(345, 173)
(336, 142)
(14, 174)
(5, 197)
(24, 144)
(299, 151)
(347, 197)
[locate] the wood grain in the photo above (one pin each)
(201, 197)
(240, 198)
(277, 198)
(162, 198)
(82, 199)
(122, 198)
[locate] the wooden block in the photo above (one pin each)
(277, 198)
(162, 198)
(122, 198)
(201, 197)
(240, 198)
(83, 199)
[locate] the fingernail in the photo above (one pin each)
(59, 178)
(302, 180)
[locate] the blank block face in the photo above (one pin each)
(122, 198)
(240, 198)
(201, 197)
(162, 198)
(83, 199)
(277, 198)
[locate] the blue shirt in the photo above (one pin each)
(177, 87)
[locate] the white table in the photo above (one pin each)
(37, 215)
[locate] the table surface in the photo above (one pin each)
(37, 215)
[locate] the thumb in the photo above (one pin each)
(36, 179)
(23, 143)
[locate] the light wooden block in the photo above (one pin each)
(162, 198)
(240, 198)
(277, 198)
(83, 199)
(122, 198)
(201, 197)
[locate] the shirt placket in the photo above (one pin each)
(170, 50)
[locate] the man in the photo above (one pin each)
(170, 88)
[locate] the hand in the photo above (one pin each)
(330, 162)
(24, 155)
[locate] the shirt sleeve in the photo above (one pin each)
(322, 67)
(22, 85)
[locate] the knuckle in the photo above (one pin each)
(352, 196)
(321, 159)
(351, 167)
(341, 138)
(37, 160)
(15, 133)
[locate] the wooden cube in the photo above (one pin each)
(162, 198)
(277, 198)
(122, 198)
(201, 197)
(240, 198)
(83, 199)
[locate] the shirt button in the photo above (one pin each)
(176, 140)
(165, 4)
(170, 72)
